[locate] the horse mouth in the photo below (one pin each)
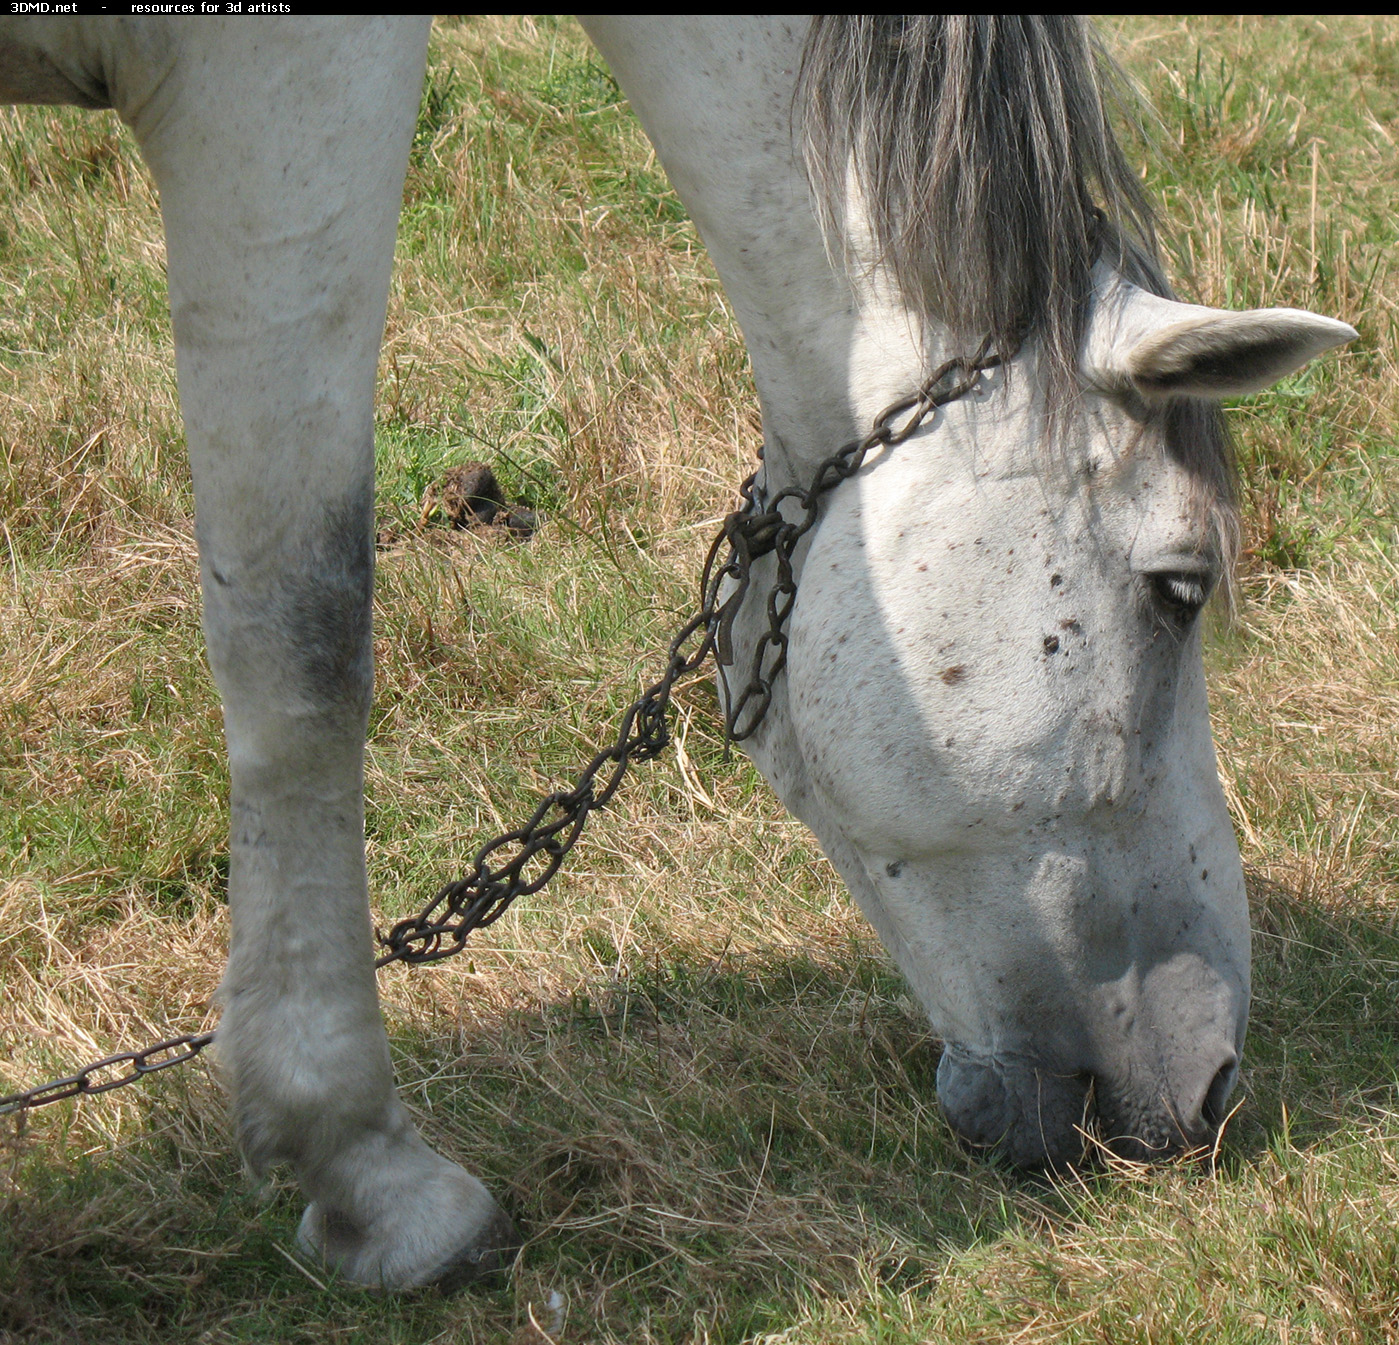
(1036, 1118)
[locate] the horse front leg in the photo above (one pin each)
(280, 151)
(287, 614)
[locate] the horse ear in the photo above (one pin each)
(1229, 354)
(1161, 348)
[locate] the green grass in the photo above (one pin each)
(689, 1070)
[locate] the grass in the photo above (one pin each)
(690, 1070)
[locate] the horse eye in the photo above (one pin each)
(1179, 594)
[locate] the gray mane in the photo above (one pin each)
(982, 149)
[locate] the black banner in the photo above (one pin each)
(51, 8)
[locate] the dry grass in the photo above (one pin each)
(690, 1071)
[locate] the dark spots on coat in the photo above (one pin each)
(327, 596)
(1204, 875)
(1071, 625)
(895, 868)
(1051, 644)
(956, 673)
(1055, 580)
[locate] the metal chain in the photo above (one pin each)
(524, 860)
(535, 851)
(88, 1080)
(760, 526)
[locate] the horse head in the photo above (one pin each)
(996, 723)
(993, 710)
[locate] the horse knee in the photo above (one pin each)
(288, 622)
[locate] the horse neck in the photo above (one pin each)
(715, 94)
(827, 391)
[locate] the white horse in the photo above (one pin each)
(993, 714)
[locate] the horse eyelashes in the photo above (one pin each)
(1179, 596)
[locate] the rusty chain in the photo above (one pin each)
(524, 860)
(149, 1060)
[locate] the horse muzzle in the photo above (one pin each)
(1034, 1116)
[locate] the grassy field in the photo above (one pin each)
(689, 1070)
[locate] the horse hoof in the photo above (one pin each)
(487, 1259)
(435, 1247)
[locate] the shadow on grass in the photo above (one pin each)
(715, 1138)
(701, 1141)
(1323, 1044)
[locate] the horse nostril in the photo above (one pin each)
(1212, 1110)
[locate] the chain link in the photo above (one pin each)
(149, 1060)
(524, 860)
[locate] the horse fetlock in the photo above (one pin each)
(304, 1088)
(391, 1214)
(303, 1128)
(385, 1210)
